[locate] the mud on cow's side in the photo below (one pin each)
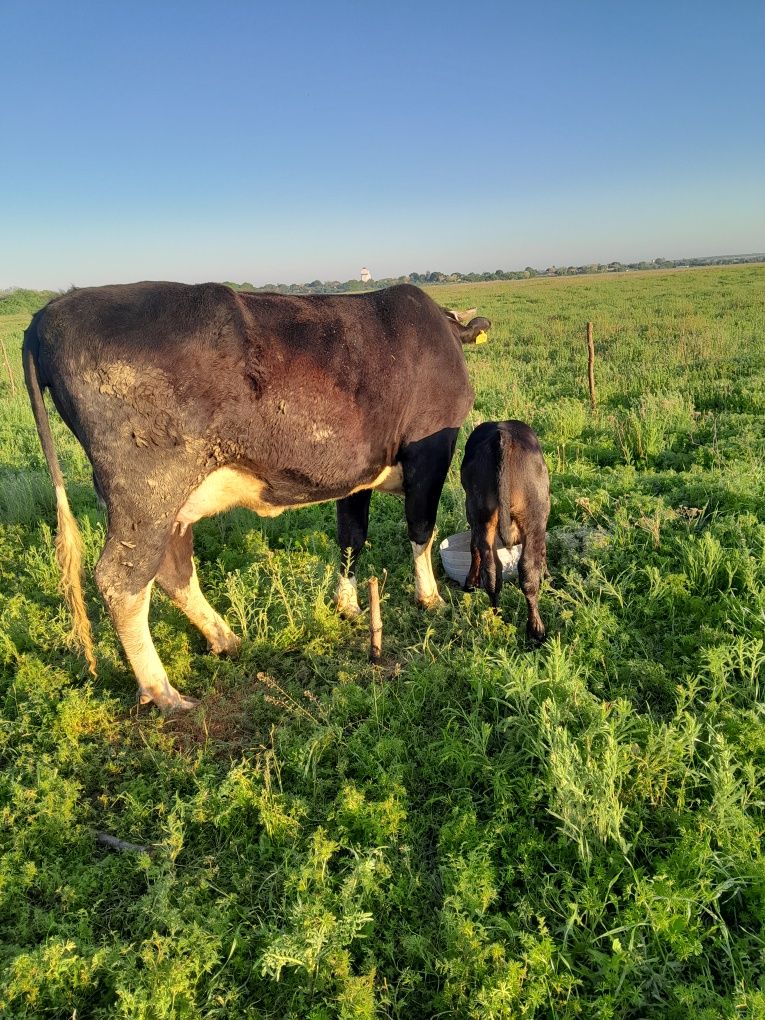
(190, 400)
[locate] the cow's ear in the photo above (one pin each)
(475, 331)
(461, 317)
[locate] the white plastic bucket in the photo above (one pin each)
(455, 556)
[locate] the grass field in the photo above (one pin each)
(476, 829)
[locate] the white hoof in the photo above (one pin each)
(226, 644)
(166, 698)
(346, 597)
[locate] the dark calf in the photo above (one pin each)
(507, 496)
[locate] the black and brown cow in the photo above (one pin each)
(507, 498)
(189, 400)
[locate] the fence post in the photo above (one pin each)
(591, 365)
(375, 623)
(8, 370)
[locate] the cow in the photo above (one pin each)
(507, 496)
(192, 399)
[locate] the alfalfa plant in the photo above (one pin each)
(587, 774)
(651, 425)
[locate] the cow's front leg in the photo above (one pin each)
(425, 466)
(352, 528)
(125, 576)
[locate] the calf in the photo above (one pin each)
(507, 493)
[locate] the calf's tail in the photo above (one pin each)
(69, 546)
(507, 528)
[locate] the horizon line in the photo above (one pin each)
(583, 267)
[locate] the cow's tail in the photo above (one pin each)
(69, 546)
(507, 528)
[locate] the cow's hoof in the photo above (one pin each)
(346, 598)
(229, 645)
(350, 611)
(535, 635)
(432, 603)
(167, 699)
(183, 704)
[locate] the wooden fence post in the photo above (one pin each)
(8, 370)
(375, 623)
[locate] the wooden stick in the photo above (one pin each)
(375, 623)
(591, 365)
(119, 844)
(8, 369)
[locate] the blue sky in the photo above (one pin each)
(295, 141)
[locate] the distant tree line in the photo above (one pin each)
(435, 277)
(16, 300)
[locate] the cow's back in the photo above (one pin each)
(321, 389)
(144, 364)
(391, 352)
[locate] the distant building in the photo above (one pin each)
(366, 276)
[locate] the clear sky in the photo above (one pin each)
(284, 142)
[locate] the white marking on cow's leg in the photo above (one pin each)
(130, 615)
(425, 587)
(190, 600)
(347, 597)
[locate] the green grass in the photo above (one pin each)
(476, 829)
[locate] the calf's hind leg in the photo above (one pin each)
(530, 569)
(486, 567)
(125, 576)
(482, 510)
(475, 564)
(177, 576)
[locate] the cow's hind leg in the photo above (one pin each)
(352, 528)
(177, 576)
(125, 576)
(425, 466)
